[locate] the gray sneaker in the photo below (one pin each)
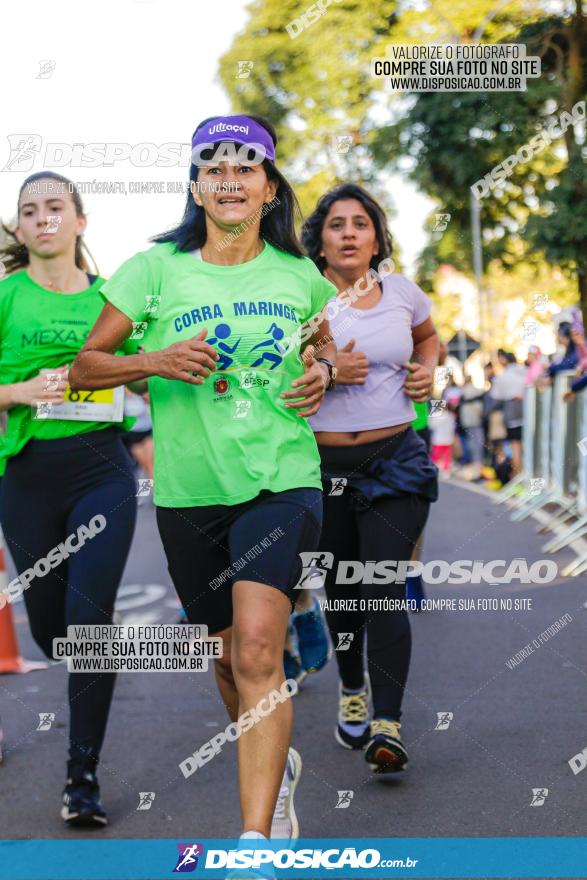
(285, 823)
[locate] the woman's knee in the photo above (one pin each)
(256, 657)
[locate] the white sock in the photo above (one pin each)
(252, 835)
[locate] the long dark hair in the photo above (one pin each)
(313, 226)
(15, 256)
(277, 225)
(565, 328)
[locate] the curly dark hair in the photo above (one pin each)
(313, 226)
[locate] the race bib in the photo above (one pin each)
(106, 405)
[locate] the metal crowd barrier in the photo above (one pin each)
(535, 442)
(554, 459)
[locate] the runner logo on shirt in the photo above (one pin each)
(221, 340)
(236, 351)
(273, 353)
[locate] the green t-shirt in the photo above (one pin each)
(42, 329)
(421, 420)
(225, 441)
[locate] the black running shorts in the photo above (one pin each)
(209, 548)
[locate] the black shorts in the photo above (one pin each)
(514, 433)
(208, 548)
(130, 438)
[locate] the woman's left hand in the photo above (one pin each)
(419, 382)
(310, 387)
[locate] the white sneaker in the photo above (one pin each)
(251, 840)
(285, 824)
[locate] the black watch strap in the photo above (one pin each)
(331, 371)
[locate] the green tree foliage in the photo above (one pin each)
(318, 86)
(447, 141)
(314, 88)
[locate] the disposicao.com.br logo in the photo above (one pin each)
(316, 858)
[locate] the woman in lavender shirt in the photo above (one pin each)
(387, 352)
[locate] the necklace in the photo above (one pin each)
(50, 285)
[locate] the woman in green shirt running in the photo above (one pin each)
(67, 500)
(221, 301)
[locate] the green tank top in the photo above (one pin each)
(42, 329)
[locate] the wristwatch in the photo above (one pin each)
(332, 372)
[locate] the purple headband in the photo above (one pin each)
(238, 129)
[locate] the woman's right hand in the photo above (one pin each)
(352, 366)
(46, 387)
(182, 359)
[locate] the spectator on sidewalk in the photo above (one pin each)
(442, 428)
(508, 388)
(452, 395)
(580, 380)
(569, 359)
(471, 420)
(489, 373)
(534, 364)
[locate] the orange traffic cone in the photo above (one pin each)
(10, 659)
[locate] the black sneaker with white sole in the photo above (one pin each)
(385, 752)
(82, 807)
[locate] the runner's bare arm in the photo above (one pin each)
(36, 390)
(323, 342)
(420, 378)
(311, 386)
(97, 367)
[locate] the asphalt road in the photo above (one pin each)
(512, 730)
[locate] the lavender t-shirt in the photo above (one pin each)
(384, 334)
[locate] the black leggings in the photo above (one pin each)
(386, 529)
(48, 491)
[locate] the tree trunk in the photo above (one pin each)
(582, 282)
(573, 93)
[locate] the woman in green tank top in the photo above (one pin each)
(67, 500)
(222, 300)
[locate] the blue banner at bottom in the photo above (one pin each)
(366, 858)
